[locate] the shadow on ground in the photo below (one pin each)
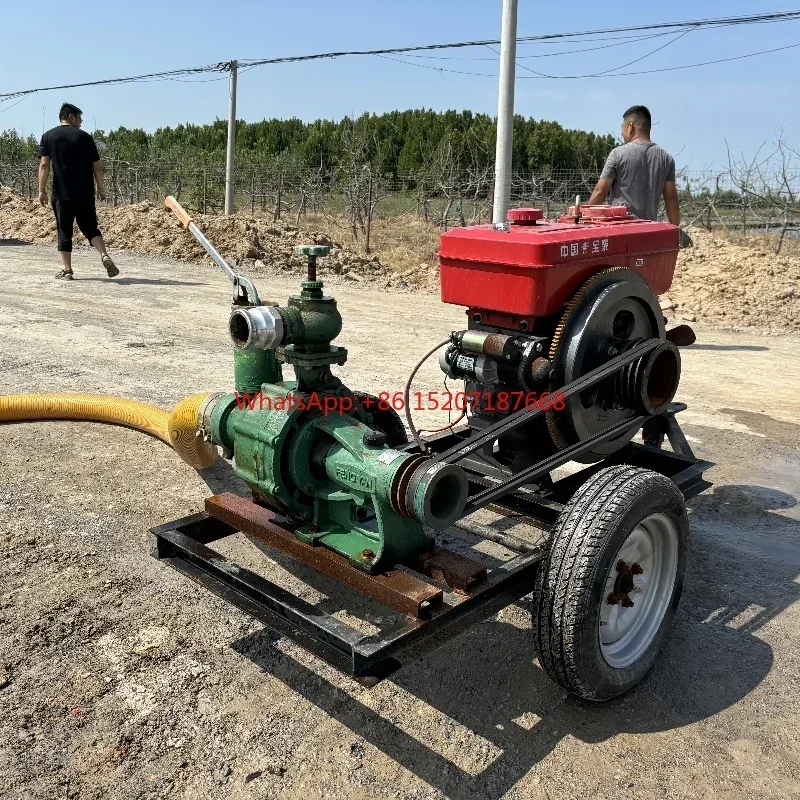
(220, 477)
(144, 281)
(734, 347)
(488, 681)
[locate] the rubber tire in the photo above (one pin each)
(571, 579)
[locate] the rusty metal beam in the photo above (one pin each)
(458, 572)
(393, 588)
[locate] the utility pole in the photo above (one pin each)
(505, 113)
(230, 161)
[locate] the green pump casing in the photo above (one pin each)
(308, 447)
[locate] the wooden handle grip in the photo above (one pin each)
(177, 209)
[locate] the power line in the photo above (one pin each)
(780, 16)
(151, 76)
(707, 63)
(598, 75)
(612, 69)
(625, 40)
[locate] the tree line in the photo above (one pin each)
(394, 143)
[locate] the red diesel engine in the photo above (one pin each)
(548, 302)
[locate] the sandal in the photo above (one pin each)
(66, 274)
(110, 266)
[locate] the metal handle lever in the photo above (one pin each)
(244, 292)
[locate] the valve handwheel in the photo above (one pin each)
(312, 252)
(316, 250)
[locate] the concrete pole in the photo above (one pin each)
(230, 161)
(505, 113)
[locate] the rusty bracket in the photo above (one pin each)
(459, 572)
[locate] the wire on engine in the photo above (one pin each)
(407, 394)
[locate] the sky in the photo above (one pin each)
(698, 113)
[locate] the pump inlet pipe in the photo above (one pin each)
(179, 428)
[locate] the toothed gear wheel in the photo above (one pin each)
(613, 304)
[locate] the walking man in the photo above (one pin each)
(76, 168)
(639, 173)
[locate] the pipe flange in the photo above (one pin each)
(204, 413)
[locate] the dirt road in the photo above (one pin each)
(120, 678)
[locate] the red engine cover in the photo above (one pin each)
(531, 270)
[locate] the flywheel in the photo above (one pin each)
(613, 310)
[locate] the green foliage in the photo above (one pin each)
(15, 148)
(396, 143)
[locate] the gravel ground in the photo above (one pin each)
(121, 678)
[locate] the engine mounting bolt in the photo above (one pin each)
(622, 567)
(626, 602)
(612, 599)
(636, 569)
(367, 555)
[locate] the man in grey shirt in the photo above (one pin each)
(639, 173)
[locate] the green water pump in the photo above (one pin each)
(317, 451)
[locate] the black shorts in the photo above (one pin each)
(67, 213)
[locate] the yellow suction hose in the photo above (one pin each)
(177, 428)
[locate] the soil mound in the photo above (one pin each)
(735, 284)
(259, 245)
(719, 282)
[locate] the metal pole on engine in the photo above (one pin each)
(505, 113)
(230, 161)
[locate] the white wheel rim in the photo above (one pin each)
(638, 590)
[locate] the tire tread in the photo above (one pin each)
(564, 580)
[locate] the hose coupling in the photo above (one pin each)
(256, 328)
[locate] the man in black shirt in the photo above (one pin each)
(73, 156)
